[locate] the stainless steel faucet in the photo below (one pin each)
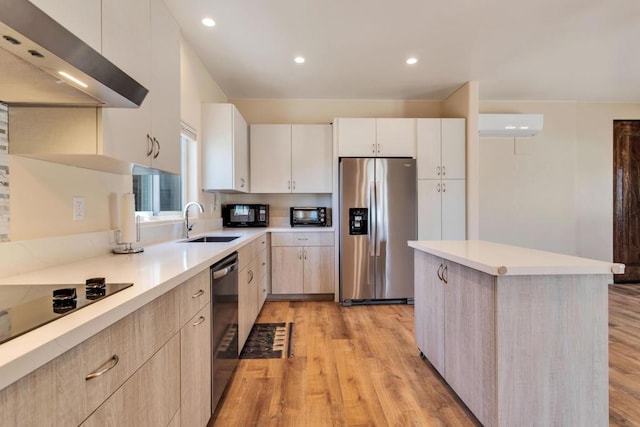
(185, 214)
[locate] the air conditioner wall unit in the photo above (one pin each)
(509, 125)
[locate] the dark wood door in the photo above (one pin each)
(626, 198)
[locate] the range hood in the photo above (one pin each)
(34, 52)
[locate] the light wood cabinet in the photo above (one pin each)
(302, 263)
(195, 369)
(300, 158)
(441, 179)
(383, 137)
(151, 397)
(81, 17)
(253, 285)
(132, 340)
(225, 149)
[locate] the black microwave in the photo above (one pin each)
(245, 215)
(311, 216)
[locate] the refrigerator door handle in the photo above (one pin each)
(371, 231)
(378, 216)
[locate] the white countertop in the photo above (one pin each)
(155, 271)
(500, 260)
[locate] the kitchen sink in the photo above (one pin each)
(211, 239)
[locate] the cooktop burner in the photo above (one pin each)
(26, 307)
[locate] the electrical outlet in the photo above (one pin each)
(78, 208)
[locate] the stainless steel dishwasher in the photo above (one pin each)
(224, 330)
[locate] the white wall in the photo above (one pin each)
(553, 191)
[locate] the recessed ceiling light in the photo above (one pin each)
(208, 22)
(299, 59)
(412, 60)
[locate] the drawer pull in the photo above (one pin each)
(108, 366)
(197, 322)
(198, 294)
(250, 276)
(299, 238)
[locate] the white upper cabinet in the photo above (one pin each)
(356, 137)
(291, 158)
(143, 39)
(312, 158)
(225, 154)
(396, 137)
(81, 17)
(270, 158)
(364, 137)
(441, 148)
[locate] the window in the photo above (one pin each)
(161, 194)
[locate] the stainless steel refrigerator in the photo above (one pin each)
(378, 216)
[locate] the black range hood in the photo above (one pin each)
(34, 52)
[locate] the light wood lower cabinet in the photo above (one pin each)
(195, 369)
(253, 284)
(518, 350)
(151, 397)
(143, 358)
(302, 263)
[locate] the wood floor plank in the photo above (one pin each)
(359, 366)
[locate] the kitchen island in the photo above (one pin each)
(520, 335)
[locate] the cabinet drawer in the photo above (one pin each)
(133, 340)
(194, 294)
(151, 397)
(250, 250)
(317, 238)
(262, 264)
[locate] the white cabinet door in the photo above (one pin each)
(453, 148)
(126, 41)
(270, 159)
(225, 162)
(396, 137)
(81, 17)
(428, 148)
(429, 209)
(311, 159)
(453, 209)
(356, 137)
(164, 95)
(240, 152)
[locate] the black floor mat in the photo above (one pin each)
(266, 341)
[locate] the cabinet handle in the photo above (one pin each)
(198, 294)
(305, 254)
(298, 255)
(373, 148)
(438, 187)
(155, 156)
(300, 238)
(294, 184)
(444, 171)
(438, 170)
(199, 321)
(378, 148)
(250, 276)
(288, 185)
(241, 182)
(107, 367)
(438, 272)
(264, 263)
(149, 145)
(444, 187)
(444, 274)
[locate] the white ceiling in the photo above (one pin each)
(584, 50)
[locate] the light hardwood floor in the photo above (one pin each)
(359, 366)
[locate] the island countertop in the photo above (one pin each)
(504, 260)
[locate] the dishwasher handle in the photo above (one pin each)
(224, 267)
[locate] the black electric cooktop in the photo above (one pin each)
(26, 307)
